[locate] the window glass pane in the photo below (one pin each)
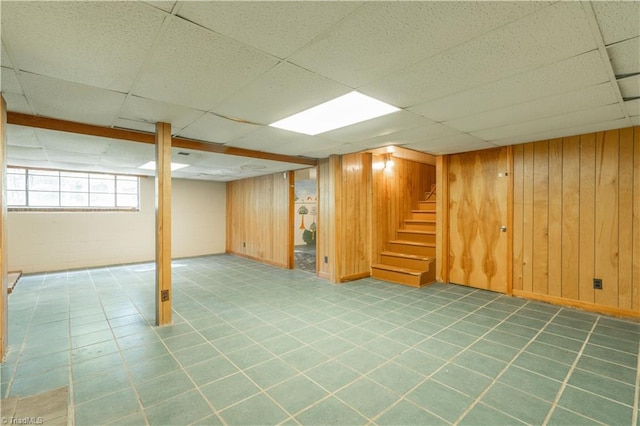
(126, 200)
(17, 198)
(15, 181)
(126, 186)
(102, 200)
(75, 184)
(43, 183)
(74, 199)
(102, 185)
(44, 173)
(43, 199)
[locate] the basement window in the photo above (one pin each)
(56, 190)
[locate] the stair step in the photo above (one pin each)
(420, 225)
(419, 236)
(411, 277)
(403, 260)
(423, 215)
(427, 205)
(413, 247)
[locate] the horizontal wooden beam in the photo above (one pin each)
(144, 137)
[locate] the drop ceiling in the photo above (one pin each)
(466, 75)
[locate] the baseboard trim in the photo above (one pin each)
(587, 306)
(354, 277)
(257, 259)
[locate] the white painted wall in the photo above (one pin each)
(50, 241)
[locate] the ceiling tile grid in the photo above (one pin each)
(577, 72)
(197, 68)
(101, 44)
(468, 75)
(278, 28)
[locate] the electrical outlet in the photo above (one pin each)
(326, 259)
(597, 283)
(244, 244)
(164, 295)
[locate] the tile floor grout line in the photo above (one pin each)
(563, 386)
(501, 372)
(447, 361)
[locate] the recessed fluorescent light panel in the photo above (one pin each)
(348, 109)
(151, 165)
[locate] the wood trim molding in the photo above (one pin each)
(354, 277)
(257, 259)
(149, 138)
(510, 185)
(587, 306)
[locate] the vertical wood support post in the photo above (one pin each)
(442, 218)
(163, 223)
(4, 308)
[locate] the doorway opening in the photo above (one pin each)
(306, 218)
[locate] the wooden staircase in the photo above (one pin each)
(410, 259)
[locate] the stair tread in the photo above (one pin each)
(427, 201)
(419, 220)
(407, 271)
(416, 231)
(422, 211)
(406, 256)
(412, 243)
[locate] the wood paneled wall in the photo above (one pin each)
(396, 191)
(258, 219)
(576, 216)
(344, 221)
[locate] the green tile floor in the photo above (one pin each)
(253, 344)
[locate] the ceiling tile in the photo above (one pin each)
(22, 136)
(630, 86)
(459, 142)
(4, 59)
(574, 119)
(197, 68)
(408, 136)
(72, 157)
(25, 153)
(635, 121)
(140, 109)
(212, 128)
(564, 76)
(98, 43)
(17, 103)
(130, 153)
(618, 20)
(633, 107)
(167, 6)
(578, 100)
(267, 139)
(624, 56)
(10, 83)
(72, 142)
(387, 124)
(569, 131)
(279, 28)
(142, 126)
(383, 37)
(280, 92)
(79, 103)
(306, 146)
(550, 35)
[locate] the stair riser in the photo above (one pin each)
(396, 277)
(409, 249)
(423, 215)
(424, 205)
(419, 238)
(403, 262)
(420, 226)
